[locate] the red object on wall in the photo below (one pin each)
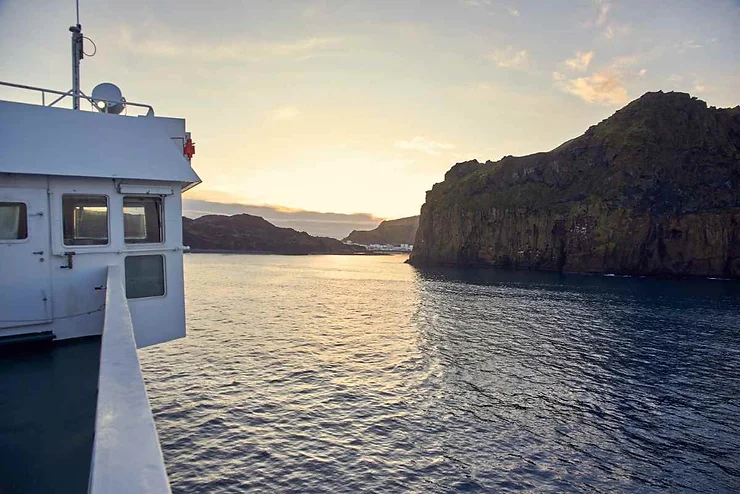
(189, 149)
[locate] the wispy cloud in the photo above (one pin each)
(606, 88)
(581, 61)
(683, 83)
(285, 113)
(615, 30)
(688, 44)
(227, 51)
(607, 84)
(424, 145)
(494, 7)
(510, 58)
(625, 61)
(603, 15)
(603, 20)
(315, 10)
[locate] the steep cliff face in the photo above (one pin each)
(247, 233)
(652, 190)
(390, 232)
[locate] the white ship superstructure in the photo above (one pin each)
(81, 191)
(91, 268)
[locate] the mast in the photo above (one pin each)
(77, 55)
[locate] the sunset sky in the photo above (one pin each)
(359, 106)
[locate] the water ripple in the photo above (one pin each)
(346, 374)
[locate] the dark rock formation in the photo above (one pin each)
(390, 232)
(652, 190)
(247, 233)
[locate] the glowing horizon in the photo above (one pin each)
(356, 107)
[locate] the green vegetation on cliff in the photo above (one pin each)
(652, 190)
(390, 232)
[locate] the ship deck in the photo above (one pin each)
(48, 396)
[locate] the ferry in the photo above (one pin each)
(91, 269)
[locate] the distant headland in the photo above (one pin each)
(389, 232)
(248, 234)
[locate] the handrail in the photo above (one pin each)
(126, 456)
(43, 91)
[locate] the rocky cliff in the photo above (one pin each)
(247, 233)
(390, 232)
(652, 190)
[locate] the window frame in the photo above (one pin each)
(164, 276)
(25, 239)
(162, 222)
(108, 219)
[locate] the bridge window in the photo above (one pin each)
(142, 220)
(13, 221)
(145, 276)
(85, 219)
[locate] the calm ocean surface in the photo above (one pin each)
(349, 374)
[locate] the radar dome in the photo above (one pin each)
(107, 98)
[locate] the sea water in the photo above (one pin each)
(364, 374)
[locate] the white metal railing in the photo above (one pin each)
(70, 93)
(127, 457)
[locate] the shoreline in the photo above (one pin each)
(272, 253)
(639, 276)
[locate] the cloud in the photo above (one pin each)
(604, 8)
(581, 61)
(611, 29)
(299, 46)
(424, 145)
(488, 3)
(558, 76)
(510, 58)
(315, 10)
(614, 30)
(699, 88)
(689, 44)
(619, 63)
(240, 51)
(604, 88)
(285, 113)
(643, 72)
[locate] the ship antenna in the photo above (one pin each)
(77, 55)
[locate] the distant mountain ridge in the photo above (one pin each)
(245, 233)
(335, 225)
(389, 232)
(652, 190)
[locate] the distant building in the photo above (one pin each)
(384, 247)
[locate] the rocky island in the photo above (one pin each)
(652, 190)
(389, 232)
(245, 233)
